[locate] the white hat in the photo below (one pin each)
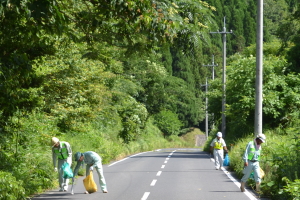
(219, 134)
(262, 137)
(54, 140)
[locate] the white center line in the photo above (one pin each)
(153, 182)
(145, 196)
(166, 161)
(163, 166)
(158, 173)
(167, 158)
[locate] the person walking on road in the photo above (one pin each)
(91, 159)
(62, 152)
(251, 160)
(218, 146)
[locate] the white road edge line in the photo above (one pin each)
(237, 183)
(153, 182)
(146, 194)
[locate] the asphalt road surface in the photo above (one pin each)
(163, 174)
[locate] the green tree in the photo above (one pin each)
(275, 12)
(168, 123)
(249, 29)
(167, 58)
(238, 41)
(293, 28)
(25, 29)
(280, 94)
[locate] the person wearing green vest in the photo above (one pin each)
(91, 159)
(218, 146)
(62, 152)
(251, 160)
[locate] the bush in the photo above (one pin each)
(168, 122)
(292, 188)
(10, 188)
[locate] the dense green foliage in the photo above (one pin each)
(93, 73)
(10, 188)
(118, 77)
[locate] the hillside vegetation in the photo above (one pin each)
(119, 77)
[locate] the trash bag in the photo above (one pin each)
(262, 173)
(226, 160)
(67, 171)
(89, 183)
(251, 176)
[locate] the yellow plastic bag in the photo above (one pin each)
(89, 183)
(262, 173)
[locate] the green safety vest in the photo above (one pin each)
(63, 152)
(252, 151)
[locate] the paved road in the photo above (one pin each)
(165, 174)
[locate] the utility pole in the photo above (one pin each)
(224, 78)
(206, 100)
(259, 69)
(206, 112)
(213, 67)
